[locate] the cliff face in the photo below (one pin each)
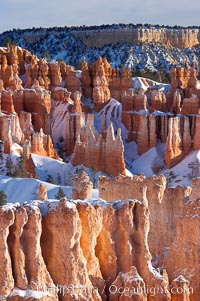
(45, 106)
(171, 237)
(87, 268)
(180, 38)
(98, 153)
(109, 245)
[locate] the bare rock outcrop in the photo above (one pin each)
(42, 145)
(82, 186)
(16, 250)
(99, 154)
(36, 271)
(7, 106)
(71, 272)
(101, 92)
(86, 80)
(72, 82)
(158, 101)
(140, 101)
(29, 164)
(42, 192)
(174, 151)
(114, 84)
(181, 289)
(146, 133)
(109, 245)
(91, 222)
(191, 105)
(131, 286)
(175, 245)
(181, 38)
(6, 276)
(196, 140)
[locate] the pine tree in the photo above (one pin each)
(61, 147)
(20, 170)
(6, 41)
(1, 152)
(3, 198)
(58, 179)
(9, 166)
(60, 194)
(1, 155)
(50, 179)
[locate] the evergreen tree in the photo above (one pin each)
(58, 179)
(60, 194)
(3, 198)
(1, 155)
(61, 147)
(6, 41)
(1, 152)
(9, 166)
(50, 179)
(20, 170)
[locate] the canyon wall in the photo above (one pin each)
(98, 153)
(108, 244)
(180, 38)
(54, 97)
(174, 222)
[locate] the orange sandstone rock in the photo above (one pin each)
(26, 124)
(140, 101)
(71, 272)
(41, 144)
(29, 164)
(128, 285)
(91, 222)
(18, 101)
(72, 82)
(86, 81)
(126, 80)
(82, 187)
(16, 249)
(191, 105)
(187, 140)
(42, 192)
(101, 92)
(55, 75)
(6, 276)
(174, 151)
(146, 133)
(176, 104)
(98, 153)
(36, 271)
(8, 138)
(76, 107)
(158, 101)
(181, 289)
(196, 140)
(7, 102)
(114, 85)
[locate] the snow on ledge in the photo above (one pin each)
(29, 293)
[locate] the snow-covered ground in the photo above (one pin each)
(152, 162)
(25, 190)
(64, 45)
(58, 172)
(141, 83)
(182, 173)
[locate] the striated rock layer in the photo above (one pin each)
(100, 154)
(103, 250)
(174, 220)
(181, 38)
